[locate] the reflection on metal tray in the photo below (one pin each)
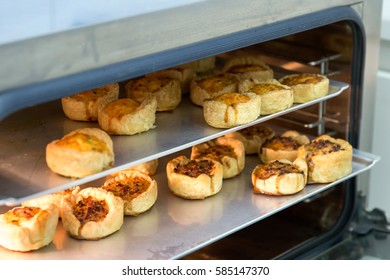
(23, 170)
(175, 227)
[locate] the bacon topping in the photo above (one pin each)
(128, 189)
(21, 214)
(217, 152)
(90, 209)
(281, 143)
(275, 168)
(194, 168)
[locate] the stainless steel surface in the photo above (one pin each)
(23, 170)
(175, 227)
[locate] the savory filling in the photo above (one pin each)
(216, 83)
(90, 94)
(150, 84)
(246, 68)
(19, 215)
(128, 189)
(275, 168)
(321, 147)
(261, 131)
(260, 89)
(194, 168)
(121, 107)
(90, 210)
(302, 79)
(281, 143)
(83, 143)
(217, 152)
(232, 98)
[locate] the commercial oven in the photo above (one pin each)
(53, 49)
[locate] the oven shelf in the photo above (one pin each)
(23, 170)
(23, 166)
(174, 227)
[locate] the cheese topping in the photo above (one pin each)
(260, 89)
(302, 79)
(232, 98)
(150, 84)
(121, 108)
(90, 94)
(246, 68)
(194, 168)
(281, 143)
(19, 215)
(262, 131)
(128, 189)
(217, 152)
(90, 210)
(216, 83)
(275, 168)
(321, 147)
(83, 142)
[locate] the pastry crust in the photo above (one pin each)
(194, 179)
(328, 159)
(275, 97)
(253, 137)
(166, 90)
(127, 116)
(284, 146)
(229, 152)
(92, 214)
(231, 109)
(80, 153)
(137, 190)
(306, 87)
(28, 228)
(148, 167)
(279, 177)
(248, 67)
(204, 65)
(183, 74)
(205, 87)
(84, 106)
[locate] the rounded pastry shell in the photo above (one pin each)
(262, 72)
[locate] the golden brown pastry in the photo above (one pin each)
(279, 177)
(284, 146)
(328, 159)
(92, 213)
(183, 74)
(202, 88)
(253, 137)
(231, 109)
(194, 179)
(84, 106)
(127, 116)
(275, 97)
(248, 67)
(137, 190)
(306, 87)
(80, 153)
(28, 228)
(229, 152)
(166, 90)
(204, 65)
(148, 167)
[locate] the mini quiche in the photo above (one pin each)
(84, 106)
(205, 87)
(229, 152)
(231, 109)
(328, 159)
(284, 146)
(166, 90)
(194, 179)
(148, 167)
(279, 177)
(28, 228)
(183, 74)
(248, 67)
(275, 97)
(128, 116)
(80, 153)
(137, 190)
(92, 213)
(253, 137)
(306, 87)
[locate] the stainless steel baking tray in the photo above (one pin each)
(175, 227)
(23, 170)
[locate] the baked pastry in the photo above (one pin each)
(183, 74)
(275, 97)
(166, 90)
(328, 159)
(194, 179)
(137, 190)
(28, 228)
(80, 153)
(203, 65)
(148, 167)
(128, 116)
(253, 137)
(248, 67)
(231, 109)
(229, 152)
(284, 146)
(306, 87)
(279, 177)
(92, 213)
(84, 106)
(205, 87)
